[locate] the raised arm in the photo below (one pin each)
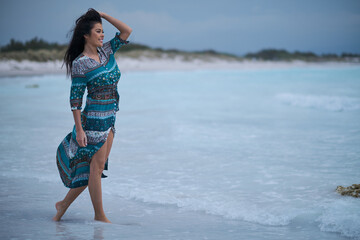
(124, 29)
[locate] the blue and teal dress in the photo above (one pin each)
(98, 116)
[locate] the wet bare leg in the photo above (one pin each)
(63, 205)
(96, 168)
(109, 144)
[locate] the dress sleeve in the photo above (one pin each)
(78, 86)
(117, 42)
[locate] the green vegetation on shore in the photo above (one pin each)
(283, 55)
(39, 50)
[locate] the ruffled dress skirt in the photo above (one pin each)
(73, 161)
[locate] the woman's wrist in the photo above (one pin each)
(79, 129)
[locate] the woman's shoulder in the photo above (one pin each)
(82, 64)
(79, 65)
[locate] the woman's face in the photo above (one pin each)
(96, 36)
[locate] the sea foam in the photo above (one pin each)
(331, 103)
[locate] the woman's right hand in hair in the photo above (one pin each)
(101, 14)
(81, 138)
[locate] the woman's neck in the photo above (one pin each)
(90, 50)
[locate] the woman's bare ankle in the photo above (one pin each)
(102, 218)
(61, 208)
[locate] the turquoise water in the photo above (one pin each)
(248, 153)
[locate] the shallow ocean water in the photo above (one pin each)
(254, 154)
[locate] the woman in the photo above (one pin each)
(83, 154)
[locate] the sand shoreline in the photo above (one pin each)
(10, 68)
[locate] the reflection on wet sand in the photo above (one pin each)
(66, 231)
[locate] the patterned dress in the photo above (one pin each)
(98, 116)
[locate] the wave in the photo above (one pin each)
(214, 204)
(337, 215)
(341, 216)
(331, 103)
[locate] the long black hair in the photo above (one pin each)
(83, 26)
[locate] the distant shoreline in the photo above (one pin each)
(9, 68)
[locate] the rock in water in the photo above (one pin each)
(353, 190)
(32, 86)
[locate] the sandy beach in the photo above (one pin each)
(126, 64)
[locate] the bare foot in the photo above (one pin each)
(102, 219)
(61, 209)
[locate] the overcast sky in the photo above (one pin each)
(239, 27)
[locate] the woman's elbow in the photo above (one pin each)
(125, 34)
